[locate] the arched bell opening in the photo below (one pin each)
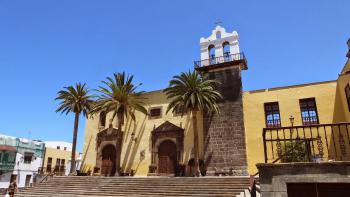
(226, 51)
(211, 53)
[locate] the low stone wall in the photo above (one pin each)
(274, 177)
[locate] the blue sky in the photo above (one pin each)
(46, 45)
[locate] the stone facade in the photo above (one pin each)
(274, 178)
(166, 131)
(227, 143)
(107, 137)
(225, 149)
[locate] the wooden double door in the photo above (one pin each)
(167, 158)
(108, 165)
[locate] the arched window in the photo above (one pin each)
(103, 119)
(211, 50)
(226, 51)
(218, 35)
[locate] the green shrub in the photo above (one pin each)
(295, 151)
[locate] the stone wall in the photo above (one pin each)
(224, 146)
(275, 177)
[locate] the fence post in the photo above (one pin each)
(264, 142)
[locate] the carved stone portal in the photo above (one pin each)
(106, 149)
(162, 136)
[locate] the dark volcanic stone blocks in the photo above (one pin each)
(225, 149)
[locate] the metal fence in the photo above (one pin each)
(311, 143)
(222, 59)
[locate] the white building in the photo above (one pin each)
(20, 159)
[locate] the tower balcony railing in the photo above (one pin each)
(226, 58)
(308, 143)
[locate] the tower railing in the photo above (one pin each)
(218, 60)
(309, 143)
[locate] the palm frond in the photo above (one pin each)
(76, 99)
(119, 96)
(190, 91)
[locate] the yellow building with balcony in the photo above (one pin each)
(253, 126)
(58, 158)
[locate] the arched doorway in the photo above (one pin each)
(108, 160)
(167, 157)
(167, 150)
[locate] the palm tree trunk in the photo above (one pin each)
(74, 145)
(195, 142)
(119, 143)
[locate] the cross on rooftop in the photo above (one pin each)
(218, 23)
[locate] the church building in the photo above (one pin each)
(232, 142)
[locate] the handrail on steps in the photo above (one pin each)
(46, 177)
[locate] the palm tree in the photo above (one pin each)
(119, 96)
(76, 100)
(190, 92)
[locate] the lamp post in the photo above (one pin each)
(291, 119)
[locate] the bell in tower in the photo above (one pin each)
(224, 147)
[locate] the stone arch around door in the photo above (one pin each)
(170, 133)
(106, 142)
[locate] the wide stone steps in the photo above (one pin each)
(147, 193)
(135, 186)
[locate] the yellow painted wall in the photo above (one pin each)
(330, 99)
(288, 99)
(142, 127)
(330, 103)
(56, 154)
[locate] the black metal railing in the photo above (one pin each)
(218, 60)
(254, 186)
(46, 178)
(311, 143)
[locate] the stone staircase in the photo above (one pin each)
(137, 186)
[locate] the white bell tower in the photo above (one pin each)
(219, 47)
(221, 60)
